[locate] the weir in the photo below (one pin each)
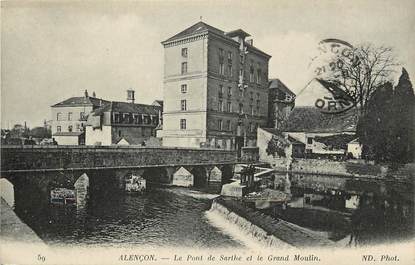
(267, 230)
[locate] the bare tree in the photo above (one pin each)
(361, 70)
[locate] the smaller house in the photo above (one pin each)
(69, 118)
(355, 148)
(272, 143)
(323, 134)
(123, 123)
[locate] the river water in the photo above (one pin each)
(170, 217)
(336, 207)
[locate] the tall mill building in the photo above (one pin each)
(215, 88)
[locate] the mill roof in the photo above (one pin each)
(202, 27)
(199, 27)
(311, 119)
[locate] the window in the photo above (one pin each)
(220, 125)
(119, 133)
(58, 128)
(228, 125)
(258, 79)
(140, 119)
(183, 124)
(230, 70)
(229, 92)
(221, 53)
(309, 140)
(221, 64)
(220, 105)
(221, 68)
(183, 104)
(70, 128)
(116, 118)
(184, 52)
(252, 95)
(78, 127)
(241, 72)
(184, 88)
(220, 91)
(69, 116)
(251, 74)
(228, 106)
(58, 116)
(251, 109)
(184, 67)
(241, 108)
(252, 127)
(230, 55)
(82, 116)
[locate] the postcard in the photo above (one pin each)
(207, 132)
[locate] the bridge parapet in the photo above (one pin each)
(34, 158)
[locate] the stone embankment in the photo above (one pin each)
(343, 168)
(266, 229)
(14, 229)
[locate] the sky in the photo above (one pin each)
(51, 51)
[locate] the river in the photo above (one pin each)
(370, 210)
(170, 217)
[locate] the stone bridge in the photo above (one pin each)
(38, 169)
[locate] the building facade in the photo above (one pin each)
(123, 123)
(69, 118)
(281, 101)
(215, 89)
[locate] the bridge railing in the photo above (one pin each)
(82, 157)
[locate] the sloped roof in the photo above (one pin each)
(278, 84)
(67, 133)
(131, 139)
(238, 32)
(199, 27)
(81, 101)
(338, 141)
(159, 102)
(126, 107)
(311, 119)
(278, 133)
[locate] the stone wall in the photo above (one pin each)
(316, 166)
(75, 157)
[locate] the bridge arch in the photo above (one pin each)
(200, 176)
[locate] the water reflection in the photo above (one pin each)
(371, 211)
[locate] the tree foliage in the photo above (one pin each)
(40, 132)
(387, 128)
(365, 68)
(404, 110)
(276, 146)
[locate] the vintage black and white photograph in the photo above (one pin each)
(204, 132)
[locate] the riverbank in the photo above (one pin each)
(352, 168)
(266, 229)
(13, 228)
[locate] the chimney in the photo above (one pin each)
(86, 93)
(94, 95)
(130, 95)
